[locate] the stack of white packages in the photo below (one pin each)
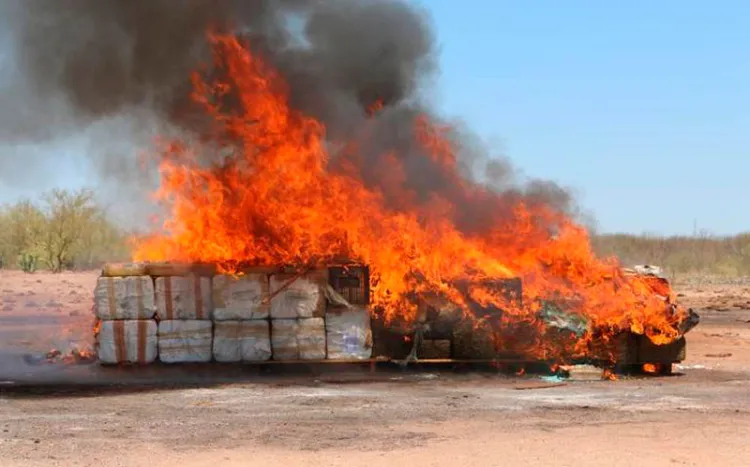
(180, 315)
(184, 306)
(124, 306)
(241, 328)
(297, 312)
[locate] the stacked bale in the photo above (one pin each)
(124, 306)
(348, 329)
(180, 313)
(184, 308)
(241, 311)
(298, 305)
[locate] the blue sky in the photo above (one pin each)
(643, 108)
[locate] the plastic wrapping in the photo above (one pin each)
(242, 341)
(185, 341)
(348, 333)
(128, 298)
(123, 341)
(300, 296)
(188, 297)
(240, 298)
(298, 339)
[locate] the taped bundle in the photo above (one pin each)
(124, 298)
(242, 297)
(131, 341)
(242, 341)
(298, 339)
(185, 341)
(184, 297)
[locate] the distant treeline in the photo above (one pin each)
(69, 230)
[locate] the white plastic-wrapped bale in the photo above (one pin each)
(298, 339)
(123, 341)
(124, 298)
(348, 333)
(240, 298)
(187, 297)
(299, 296)
(182, 341)
(242, 341)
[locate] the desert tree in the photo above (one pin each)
(70, 215)
(21, 226)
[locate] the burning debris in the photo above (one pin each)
(74, 356)
(286, 316)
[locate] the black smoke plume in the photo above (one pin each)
(80, 62)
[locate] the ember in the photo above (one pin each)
(73, 356)
(284, 194)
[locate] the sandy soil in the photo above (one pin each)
(699, 417)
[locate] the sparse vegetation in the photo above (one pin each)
(64, 230)
(28, 263)
(68, 230)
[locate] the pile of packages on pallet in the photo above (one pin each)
(150, 312)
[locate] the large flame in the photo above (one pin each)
(282, 195)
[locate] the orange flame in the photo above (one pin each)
(375, 107)
(280, 195)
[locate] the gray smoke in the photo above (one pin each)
(92, 64)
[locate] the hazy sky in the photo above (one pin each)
(642, 107)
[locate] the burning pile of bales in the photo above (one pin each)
(175, 313)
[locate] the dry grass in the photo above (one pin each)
(681, 256)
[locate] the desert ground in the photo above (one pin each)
(700, 416)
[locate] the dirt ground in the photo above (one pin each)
(701, 416)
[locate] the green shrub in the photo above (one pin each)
(28, 262)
